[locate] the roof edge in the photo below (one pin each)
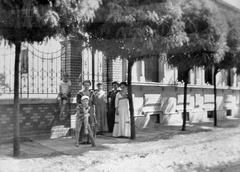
(229, 6)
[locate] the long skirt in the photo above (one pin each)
(101, 116)
(122, 122)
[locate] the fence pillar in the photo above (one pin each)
(71, 62)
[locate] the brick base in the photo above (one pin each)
(35, 117)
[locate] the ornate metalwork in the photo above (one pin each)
(42, 78)
(87, 66)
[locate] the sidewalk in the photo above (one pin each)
(66, 145)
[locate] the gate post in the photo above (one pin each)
(71, 62)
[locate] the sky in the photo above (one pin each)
(235, 3)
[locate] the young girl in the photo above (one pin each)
(83, 112)
(82, 117)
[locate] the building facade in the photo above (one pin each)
(158, 88)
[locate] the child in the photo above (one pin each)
(82, 117)
(64, 93)
(83, 112)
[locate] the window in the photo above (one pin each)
(229, 112)
(155, 118)
(180, 76)
(210, 114)
(238, 80)
(187, 116)
(151, 69)
(209, 76)
(229, 74)
(197, 80)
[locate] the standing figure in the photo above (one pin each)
(64, 94)
(101, 108)
(111, 107)
(122, 121)
(83, 118)
(92, 120)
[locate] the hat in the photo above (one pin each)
(115, 82)
(84, 97)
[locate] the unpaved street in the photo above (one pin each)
(212, 149)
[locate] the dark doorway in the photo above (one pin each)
(155, 118)
(210, 114)
(229, 112)
(187, 116)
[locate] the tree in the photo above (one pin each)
(230, 57)
(35, 21)
(234, 39)
(135, 30)
(206, 31)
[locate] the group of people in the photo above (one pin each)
(97, 111)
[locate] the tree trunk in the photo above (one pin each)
(185, 100)
(16, 134)
(93, 68)
(108, 104)
(215, 96)
(131, 108)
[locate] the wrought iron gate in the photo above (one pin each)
(40, 70)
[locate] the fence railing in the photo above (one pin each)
(40, 70)
(88, 66)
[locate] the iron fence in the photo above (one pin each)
(93, 60)
(40, 70)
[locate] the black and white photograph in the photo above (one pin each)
(119, 85)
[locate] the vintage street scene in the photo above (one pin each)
(119, 86)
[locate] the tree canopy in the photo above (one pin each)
(206, 29)
(136, 29)
(232, 56)
(35, 20)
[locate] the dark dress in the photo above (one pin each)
(92, 117)
(111, 111)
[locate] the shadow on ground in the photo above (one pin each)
(164, 132)
(65, 146)
(231, 167)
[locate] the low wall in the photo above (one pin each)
(35, 117)
(168, 99)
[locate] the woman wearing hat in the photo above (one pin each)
(101, 108)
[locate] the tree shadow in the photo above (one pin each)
(31, 149)
(160, 132)
(66, 146)
(230, 167)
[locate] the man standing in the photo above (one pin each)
(111, 99)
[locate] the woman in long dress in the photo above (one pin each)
(92, 119)
(111, 105)
(122, 121)
(101, 108)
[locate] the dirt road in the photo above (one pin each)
(213, 149)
